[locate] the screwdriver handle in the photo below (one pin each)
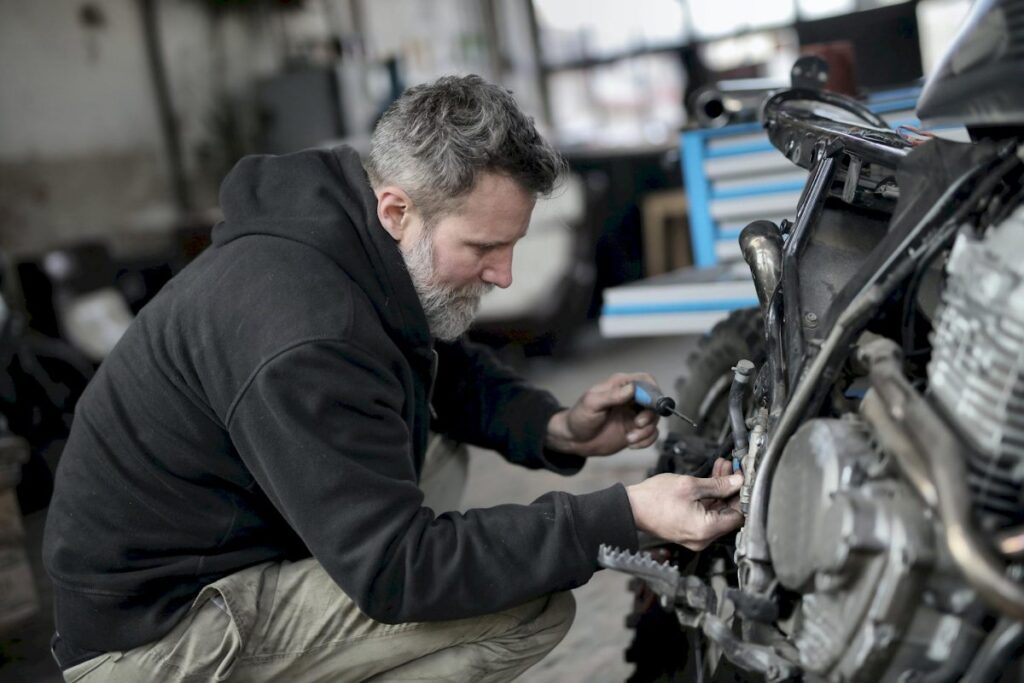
(648, 395)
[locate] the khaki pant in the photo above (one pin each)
(288, 621)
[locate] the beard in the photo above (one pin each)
(449, 310)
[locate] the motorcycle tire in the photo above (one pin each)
(702, 389)
(661, 650)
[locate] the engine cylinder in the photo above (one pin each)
(977, 367)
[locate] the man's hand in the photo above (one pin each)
(604, 420)
(687, 510)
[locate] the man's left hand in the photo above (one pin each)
(604, 420)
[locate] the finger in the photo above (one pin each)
(604, 396)
(616, 390)
(642, 435)
(722, 468)
(717, 487)
(644, 418)
(644, 443)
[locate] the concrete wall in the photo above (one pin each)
(82, 154)
(80, 145)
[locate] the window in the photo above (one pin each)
(577, 30)
(712, 18)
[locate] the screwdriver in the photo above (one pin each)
(648, 395)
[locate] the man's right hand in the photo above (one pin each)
(689, 511)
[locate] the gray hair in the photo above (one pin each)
(437, 138)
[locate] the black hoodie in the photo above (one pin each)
(272, 402)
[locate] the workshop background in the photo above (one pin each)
(119, 118)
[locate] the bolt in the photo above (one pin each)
(810, 319)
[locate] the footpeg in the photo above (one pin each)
(675, 590)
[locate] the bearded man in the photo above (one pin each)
(239, 496)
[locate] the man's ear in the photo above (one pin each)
(393, 207)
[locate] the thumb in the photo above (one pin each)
(718, 487)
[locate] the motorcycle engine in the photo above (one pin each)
(977, 368)
(851, 538)
(874, 592)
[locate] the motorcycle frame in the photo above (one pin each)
(803, 370)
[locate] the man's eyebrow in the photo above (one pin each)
(490, 245)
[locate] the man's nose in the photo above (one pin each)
(498, 272)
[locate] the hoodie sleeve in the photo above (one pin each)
(483, 402)
(320, 427)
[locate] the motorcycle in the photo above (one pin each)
(874, 402)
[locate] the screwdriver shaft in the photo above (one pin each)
(680, 415)
(649, 395)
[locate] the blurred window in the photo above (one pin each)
(773, 51)
(633, 101)
(575, 30)
(712, 18)
(818, 9)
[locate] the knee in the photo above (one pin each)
(563, 606)
(558, 616)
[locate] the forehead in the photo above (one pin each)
(497, 209)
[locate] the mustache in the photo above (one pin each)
(474, 291)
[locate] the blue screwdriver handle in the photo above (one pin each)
(643, 394)
(648, 395)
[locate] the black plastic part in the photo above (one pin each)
(810, 72)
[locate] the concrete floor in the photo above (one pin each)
(592, 650)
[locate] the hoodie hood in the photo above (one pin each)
(323, 199)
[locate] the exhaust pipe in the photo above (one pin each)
(761, 244)
(931, 455)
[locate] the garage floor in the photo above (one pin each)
(592, 650)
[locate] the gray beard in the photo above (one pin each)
(449, 310)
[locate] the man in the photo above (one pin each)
(238, 498)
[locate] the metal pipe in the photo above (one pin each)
(943, 455)
(732, 101)
(1005, 642)
(894, 440)
(776, 359)
(761, 244)
(737, 398)
(962, 652)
